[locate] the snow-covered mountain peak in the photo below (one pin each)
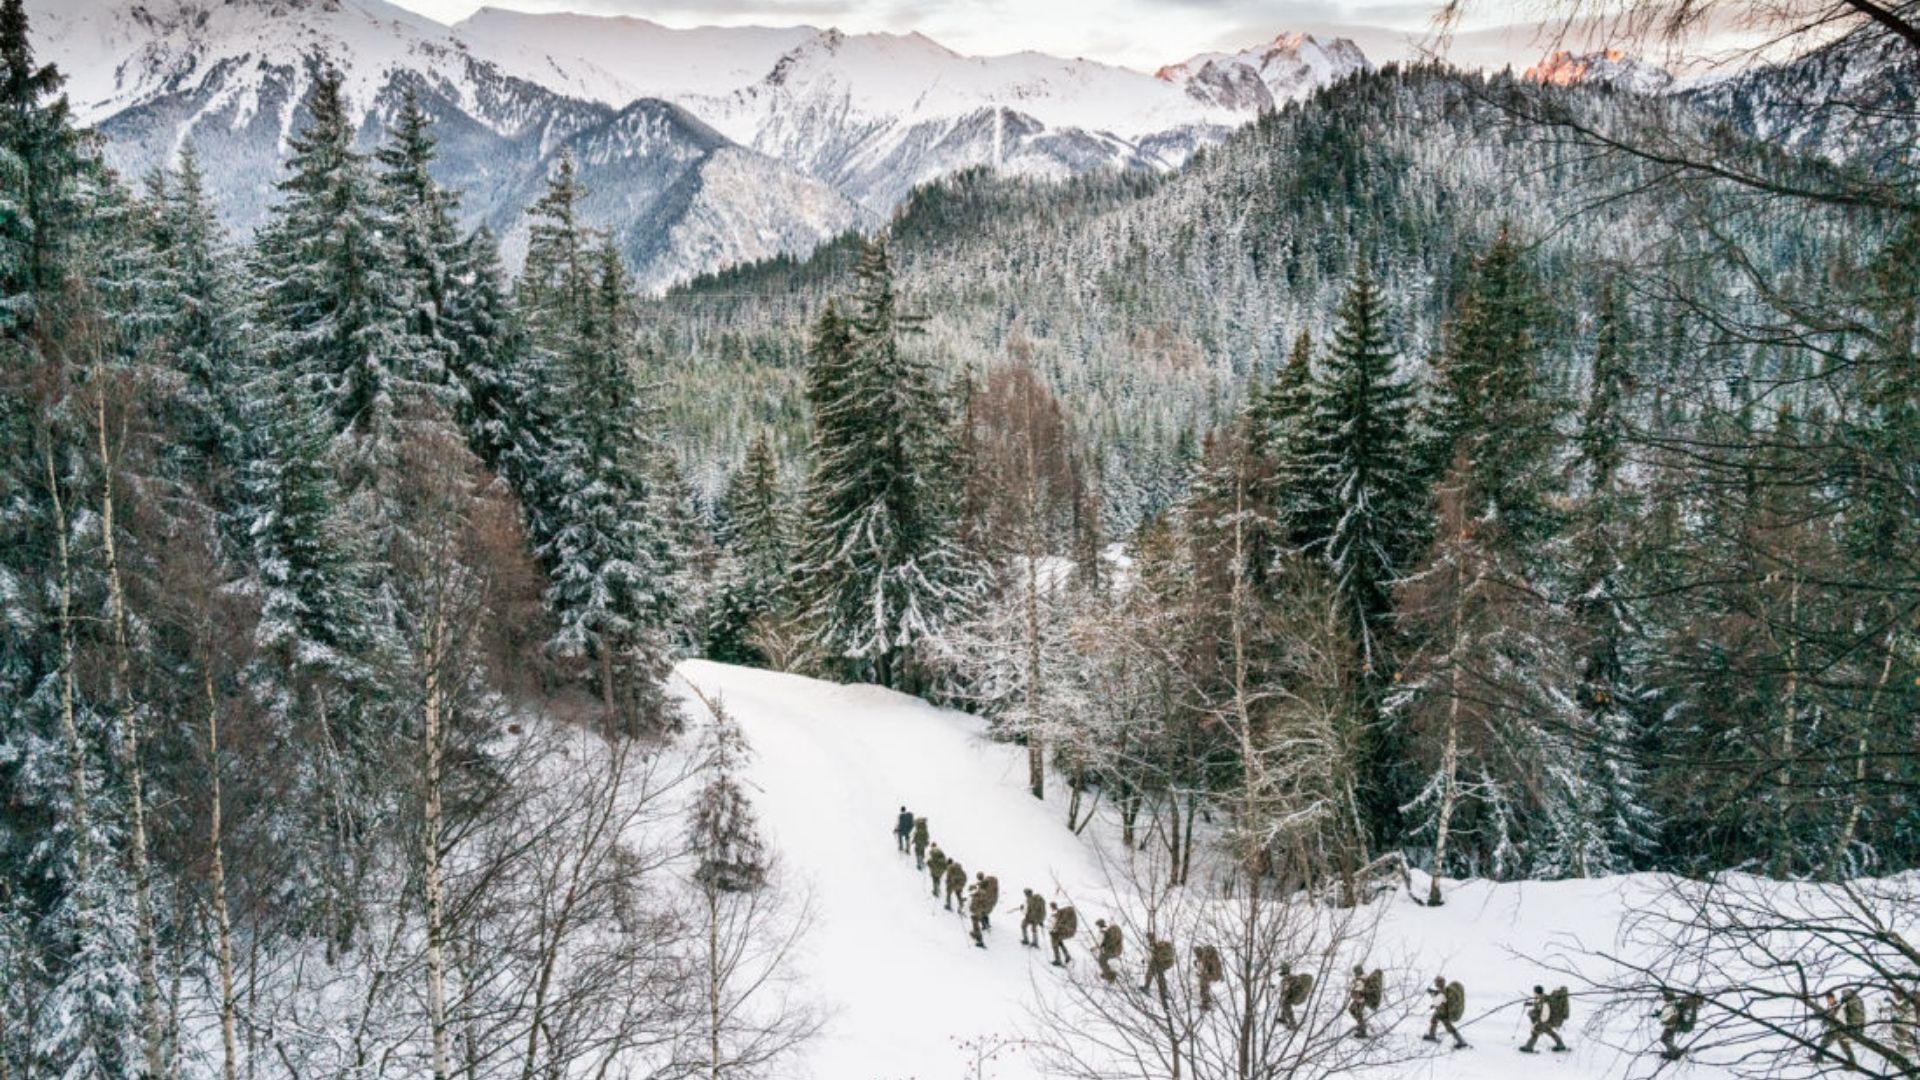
(1610, 67)
(1288, 67)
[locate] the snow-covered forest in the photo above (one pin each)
(1456, 525)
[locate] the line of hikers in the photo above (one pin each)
(1842, 1016)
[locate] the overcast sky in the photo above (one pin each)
(1138, 33)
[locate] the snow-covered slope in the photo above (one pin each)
(616, 59)
(832, 763)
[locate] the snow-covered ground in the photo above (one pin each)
(907, 989)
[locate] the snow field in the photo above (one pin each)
(831, 766)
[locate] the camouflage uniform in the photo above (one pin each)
(1449, 1005)
(1293, 991)
(1109, 949)
(920, 843)
(1842, 1020)
(956, 883)
(1033, 919)
(1207, 969)
(1902, 1019)
(979, 902)
(1677, 1017)
(937, 867)
(992, 885)
(1066, 923)
(1547, 1012)
(1159, 962)
(1363, 997)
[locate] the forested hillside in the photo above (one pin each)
(1148, 303)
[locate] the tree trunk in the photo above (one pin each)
(222, 925)
(153, 1033)
(69, 725)
(435, 885)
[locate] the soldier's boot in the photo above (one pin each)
(1559, 1045)
(1458, 1042)
(1433, 1026)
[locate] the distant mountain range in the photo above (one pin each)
(702, 148)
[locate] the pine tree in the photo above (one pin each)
(336, 303)
(595, 517)
(878, 554)
(200, 316)
(1618, 828)
(755, 576)
(427, 249)
(1368, 492)
(1489, 403)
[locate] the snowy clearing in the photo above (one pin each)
(911, 997)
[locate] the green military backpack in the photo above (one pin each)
(1557, 1007)
(1374, 988)
(1854, 1010)
(1456, 1001)
(1296, 988)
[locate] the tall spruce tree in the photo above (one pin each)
(337, 306)
(596, 520)
(1368, 494)
(879, 555)
(1490, 404)
(755, 568)
(1608, 642)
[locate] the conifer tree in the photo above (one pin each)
(595, 517)
(1368, 493)
(1489, 402)
(337, 306)
(878, 554)
(425, 244)
(1607, 640)
(755, 569)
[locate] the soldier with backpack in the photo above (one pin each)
(1159, 962)
(1207, 968)
(1293, 992)
(1901, 1021)
(1066, 923)
(902, 828)
(1033, 919)
(1547, 1012)
(1363, 997)
(937, 867)
(1677, 1017)
(1449, 1006)
(979, 903)
(919, 843)
(1843, 1019)
(992, 885)
(956, 884)
(1109, 948)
